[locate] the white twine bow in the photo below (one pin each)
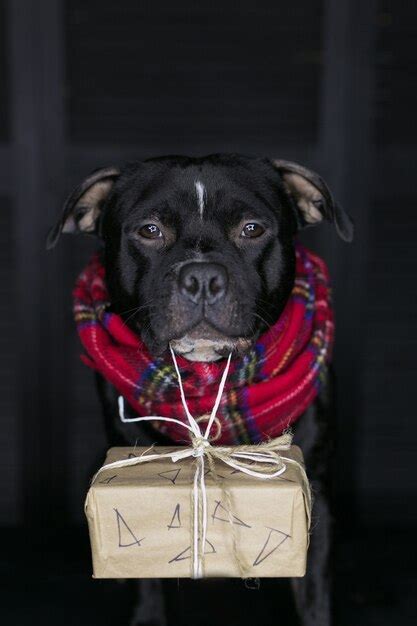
(264, 457)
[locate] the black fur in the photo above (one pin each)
(146, 288)
(261, 273)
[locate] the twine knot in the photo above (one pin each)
(200, 444)
(262, 461)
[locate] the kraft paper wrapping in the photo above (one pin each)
(139, 520)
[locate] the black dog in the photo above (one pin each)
(202, 250)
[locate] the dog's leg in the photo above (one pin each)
(313, 593)
(150, 609)
(314, 434)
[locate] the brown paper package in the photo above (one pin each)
(140, 526)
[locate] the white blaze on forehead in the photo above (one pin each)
(201, 196)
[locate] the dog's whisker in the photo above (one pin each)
(145, 304)
(264, 311)
(262, 320)
(136, 311)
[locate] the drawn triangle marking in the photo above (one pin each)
(182, 556)
(278, 531)
(124, 529)
(212, 548)
(106, 481)
(208, 473)
(176, 519)
(221, 510)
(171, 475)
(271, 544)
(186, 554)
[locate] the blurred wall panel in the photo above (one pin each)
(193, 77)
(388, 411)
(4, 76)
(10, 388)
(10, 458)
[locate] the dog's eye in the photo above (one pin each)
(150, 231)
(252, 230)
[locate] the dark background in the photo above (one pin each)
(85, 83)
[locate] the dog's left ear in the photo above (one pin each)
(313, 198)
(82, 209)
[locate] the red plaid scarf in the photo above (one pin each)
(267, 389)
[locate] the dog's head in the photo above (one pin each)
(199, 252)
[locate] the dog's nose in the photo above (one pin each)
(206, 281)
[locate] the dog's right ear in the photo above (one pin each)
(82, 210)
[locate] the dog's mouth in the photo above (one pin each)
(205, 343)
